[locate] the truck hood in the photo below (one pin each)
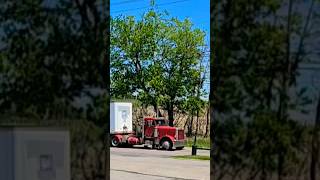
(166, 127)
(171, 131)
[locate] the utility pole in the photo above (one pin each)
(194, 146)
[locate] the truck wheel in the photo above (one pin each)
(115, 141)
(166, 144)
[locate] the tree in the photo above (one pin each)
(50, 54)
(157, 58)
(258, 46)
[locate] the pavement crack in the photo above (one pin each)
(133, 172)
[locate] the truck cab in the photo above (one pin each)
(158, 133)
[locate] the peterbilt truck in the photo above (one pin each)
(154, 131)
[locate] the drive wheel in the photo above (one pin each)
(115, 141)
(167, 145)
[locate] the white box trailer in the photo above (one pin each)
(120, 117)
(34, 153)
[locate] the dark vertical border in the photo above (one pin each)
(106, 77)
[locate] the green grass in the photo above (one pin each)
(201, 142)
(197, 157)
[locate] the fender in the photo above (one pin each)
(168, 136)
(119, 137)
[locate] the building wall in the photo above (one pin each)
(50, 147)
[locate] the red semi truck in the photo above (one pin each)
(154, 132)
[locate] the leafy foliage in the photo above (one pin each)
(255, 68)
(156, 59)
(51, 54)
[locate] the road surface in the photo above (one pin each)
(139, 163)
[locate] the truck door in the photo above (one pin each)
(149, 129)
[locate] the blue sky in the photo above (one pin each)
(198, 11)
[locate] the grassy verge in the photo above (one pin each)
(187, 157)
(201, 142)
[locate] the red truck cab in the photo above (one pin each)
(159, 134)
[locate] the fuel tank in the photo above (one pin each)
(133, 140)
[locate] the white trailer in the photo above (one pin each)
(34, 153)
(120, 117)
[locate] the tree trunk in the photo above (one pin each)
(156, 110)
(190, 125)
(208, 122)
(170, 114)
(186, 123)
(197, 125)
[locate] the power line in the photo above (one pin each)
(145, 7)
(125, 2)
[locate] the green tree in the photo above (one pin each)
(258, 46)
(51, 53)
(157, 58)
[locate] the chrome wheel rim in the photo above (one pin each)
(114, 142)
(166, 145)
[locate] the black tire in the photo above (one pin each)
(179, 148)
(166, 144)
(115, 142)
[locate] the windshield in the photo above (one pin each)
(161, 122)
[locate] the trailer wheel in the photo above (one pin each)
(166, 144)
(115, 141)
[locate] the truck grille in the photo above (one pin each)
(180, 134)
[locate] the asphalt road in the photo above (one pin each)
(139, 163)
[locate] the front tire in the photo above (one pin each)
(115, 141)
(167, 145)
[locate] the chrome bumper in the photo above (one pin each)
(179, 143)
